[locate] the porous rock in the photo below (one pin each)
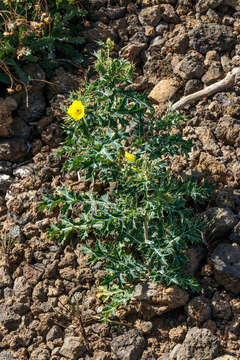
(14, 149)
(132, 51)
(191, 67)
(199, 309)
(9, 319)
(72, 347)
(199, 344)
(6, 355)
(223, 221)
(154, 299)
(221, 308)
(7, 106)
(226, 263)
(205, 37)
(150, 16)
(128, 346)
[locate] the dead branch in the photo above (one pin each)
(230, 79)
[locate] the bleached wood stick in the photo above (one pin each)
(227, 82)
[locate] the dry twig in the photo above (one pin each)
(230, 79)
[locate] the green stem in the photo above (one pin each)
(145, 226)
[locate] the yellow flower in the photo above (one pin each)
(130, 157)
(133, 168)
(76, 110)
(110, 44)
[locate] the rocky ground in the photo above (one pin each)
(179, 47)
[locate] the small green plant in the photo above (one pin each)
(37, 31)
(143, 226)
(7, 243)
(74, 313)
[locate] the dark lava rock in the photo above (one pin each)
(35, 108)
(226, 261)
(199, 344)
(199, 309)
(235, 235)
(13, 149)
(192, 86)
(221, 221)
(9, 319)
(205, 37)
(128, 346)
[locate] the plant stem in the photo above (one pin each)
(145, 226)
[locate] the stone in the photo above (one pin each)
(22, 171)
(228, 131)
(226, 357)
(7, 106)
(149, 31)
(101, 355)
(5, 277)
(52, 135)
(205, 37)
(115, 12)
(226, 63)
(195, 256)
(226, 264)
(14, 149)
(128, 346)
(16, 234)
(178, 334)
(6, 167)
(51, 270)
(235, 235)
(154, 299)
(179, 41)
(20, 308)
(63, 82)
(22, 287)
(9, 319)
(98, 31)
(96, 4)
(213, 74)
(5, 182)
(199, 309)
(150, 16)
(173, 354)
(73, 347)
(221, 308)
(192, 86)
(6, 355)
(164, 90)
(40, 354)
(40, 292)
(209, 143)
(155, 47)
(222, 221)
(132, 51)
(161, 28)
(54, 333)
(33, 273)
(139, 37)
(168, 14)
(191, 67)
(225, 198)
(36, 106)
(199, 344)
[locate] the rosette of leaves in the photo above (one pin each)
(144, 226)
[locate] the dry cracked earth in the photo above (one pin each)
(179, 47)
